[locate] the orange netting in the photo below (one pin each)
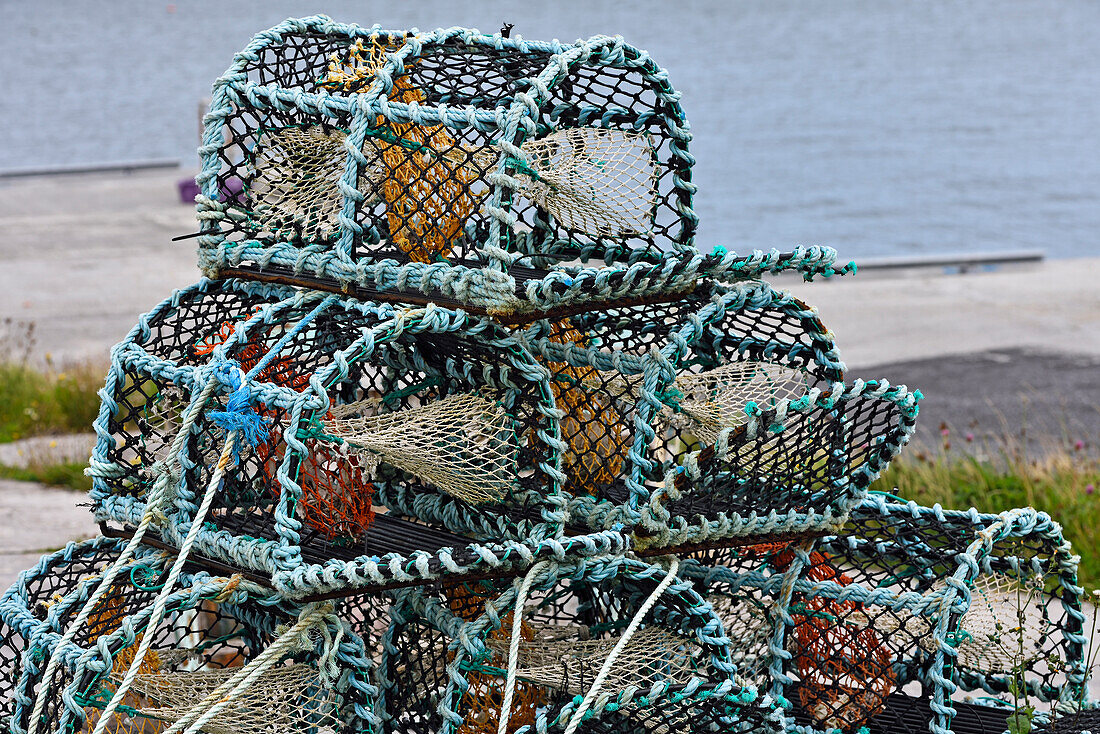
(845, 667)
(594, 429)
(485, 696)
(427, 175)
(104, 619)
(336, 496)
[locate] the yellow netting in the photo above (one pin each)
(463, 444)
(559, 657)
(593, 180)
(485, 695)
(427, 177)
(294, 188)
(287, 699)
(596, 433)
(104, 619)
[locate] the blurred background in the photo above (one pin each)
(876, 127)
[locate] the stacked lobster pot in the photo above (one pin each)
(460, 433)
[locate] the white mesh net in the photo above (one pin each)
(717, 398)
(287, 699)
(560, 658)
(463, 444)
(1004, 626)
(592, 180)
(747, 625)
(294, 187)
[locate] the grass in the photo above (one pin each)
(70, 476)
(38, 400)
(1062, 480)
(41, 401)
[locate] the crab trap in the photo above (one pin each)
(591, 645)
(218, 656)
(457, 165)
(428, 416)
(721, 415)
(918, 619)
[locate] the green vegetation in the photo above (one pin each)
(41, 400)
(1062, 480)
(58, 475)
(44, 401)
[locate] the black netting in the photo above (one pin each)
(568, 628)
(203, 639)
(818, 459)
(768, 348)
(423, 187)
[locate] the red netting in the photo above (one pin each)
(845, 668)
(336, 496)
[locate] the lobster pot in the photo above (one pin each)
(29, 609)
(374, 157)
(910, 610)
(211, 637)
(718, 415)
(425, 415)
(447, 656)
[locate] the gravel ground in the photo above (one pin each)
(1041, 398)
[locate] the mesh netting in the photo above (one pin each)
(198, 655)
(336, 494)
(463, 444)
(716, 399)
(845, 669)
(595, 432)
(596, 181)
(485, 692)
(1004, 626)
(703, 403)
(294, 187)
(427, 176)
(746, 623)
(816, 458)
(603, 170)
(570, 626)
(562, 658)
(288, 698)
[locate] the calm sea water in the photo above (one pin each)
(874, 126)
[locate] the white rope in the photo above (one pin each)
(217, 700)
(513, 649)
(157, 497)
(594, 691)
(161, 602)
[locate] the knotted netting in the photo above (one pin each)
(464, 444)
(592, 427)
(360, 406)
(599, 182)
(565, 660)
(603, 636)
(295, 183)
(222, 659)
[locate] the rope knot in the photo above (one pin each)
(239, 415)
